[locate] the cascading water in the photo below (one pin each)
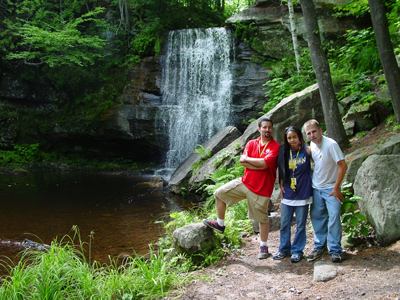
(196, 89)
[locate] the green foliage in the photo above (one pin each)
(55, 41)
(284, 79)
(234, 6)
(204, 154)
(21, 154)
(355, 8)
(237, 220)
(359, 52)
(360, 89)
(353, 64)
(355, 224)
(63, 273)
(392, 123)
(394, 24)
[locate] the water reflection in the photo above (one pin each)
(122, 211)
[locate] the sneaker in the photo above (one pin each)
(296, 257)
(263, 254)
(279, 255)
(336, 258)
(214, 225)
(315, 255)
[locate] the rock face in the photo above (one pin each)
(215, 144)
(193, 237)
(377, 183)
(247, 86)
(354, 160)
(269, 13)
(135, 120)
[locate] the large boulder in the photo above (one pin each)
(363, 117)
(377, 183)
(193, 238)
(215, 144)
(390, 145)
(293, 110)
(223, 158)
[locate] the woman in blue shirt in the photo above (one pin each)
(296, 186)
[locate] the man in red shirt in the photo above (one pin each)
(260, 161)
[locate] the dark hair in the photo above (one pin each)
(287, 146)
(264, 120)
(295, 130)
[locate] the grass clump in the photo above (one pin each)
(62, 272)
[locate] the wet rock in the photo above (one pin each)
(24, 245)
(153, 183)
(247, 86)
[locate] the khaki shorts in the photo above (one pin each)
(235, 191)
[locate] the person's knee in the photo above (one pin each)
(219, 195)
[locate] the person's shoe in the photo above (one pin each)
(296, 257)
(336, 258)
(315, 255)
(214, 225)
(279, 255)
(263, 254)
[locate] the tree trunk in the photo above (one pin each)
(320, 64)
(294, 35)
(386, 53)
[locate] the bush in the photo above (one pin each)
(355, 224)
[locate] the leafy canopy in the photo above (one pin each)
(55, 38)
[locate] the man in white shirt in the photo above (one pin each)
(329, 170)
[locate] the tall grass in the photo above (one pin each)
(62, 273)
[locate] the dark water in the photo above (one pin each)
(121, 211)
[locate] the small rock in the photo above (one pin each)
(324, 271)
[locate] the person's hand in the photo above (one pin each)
(243, 158)
(337, 193)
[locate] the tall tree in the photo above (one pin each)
(321, 68)
(386, 53)
(293, 31)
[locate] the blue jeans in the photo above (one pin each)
(325, 218)
(299, 241)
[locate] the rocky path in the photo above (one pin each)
(369, 273)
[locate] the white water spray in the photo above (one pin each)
(196, 89)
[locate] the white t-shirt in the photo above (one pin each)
(325, 156)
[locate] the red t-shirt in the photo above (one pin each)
(261, 182)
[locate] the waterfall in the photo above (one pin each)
(196, 89)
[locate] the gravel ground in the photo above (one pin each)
(367, 273)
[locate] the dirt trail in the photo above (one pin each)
(370, 273)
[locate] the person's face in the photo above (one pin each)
(265, 129)
(314, 134)
(293, 140)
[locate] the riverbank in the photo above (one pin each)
(368, 273)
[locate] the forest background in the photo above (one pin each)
(85, 49)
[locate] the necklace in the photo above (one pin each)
(293, 166)
(260, 151)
